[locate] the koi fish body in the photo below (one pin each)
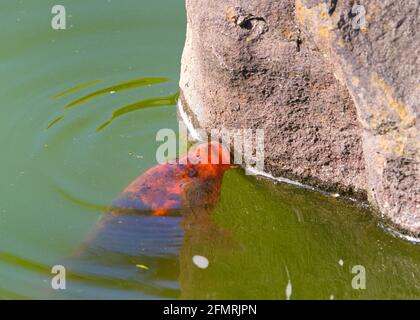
(147, 223)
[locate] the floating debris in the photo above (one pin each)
(289, 286)
(201, 262)
(288, 290)
(134, 155)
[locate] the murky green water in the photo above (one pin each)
(267, 241)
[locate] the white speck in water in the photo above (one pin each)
(137, 156)
(289, 286)
(288, 290)
(341, 262)
(201, 262)
(112, 92)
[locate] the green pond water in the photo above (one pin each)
(79, 113)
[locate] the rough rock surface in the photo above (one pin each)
(379, 65)
(328, 121)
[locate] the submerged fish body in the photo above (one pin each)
(148, 223)
(165, 187)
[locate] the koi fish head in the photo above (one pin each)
(211, 159)
(193, 181)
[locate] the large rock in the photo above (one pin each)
(337, 105)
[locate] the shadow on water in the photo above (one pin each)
(299, 243)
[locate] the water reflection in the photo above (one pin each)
(126, 85)
(76, 88)
(144, 104)
(136, 83)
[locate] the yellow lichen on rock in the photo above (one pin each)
(400, 108)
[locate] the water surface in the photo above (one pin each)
(59, 173)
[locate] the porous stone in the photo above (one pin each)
(379, 65)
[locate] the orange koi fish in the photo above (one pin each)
(147, 224)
